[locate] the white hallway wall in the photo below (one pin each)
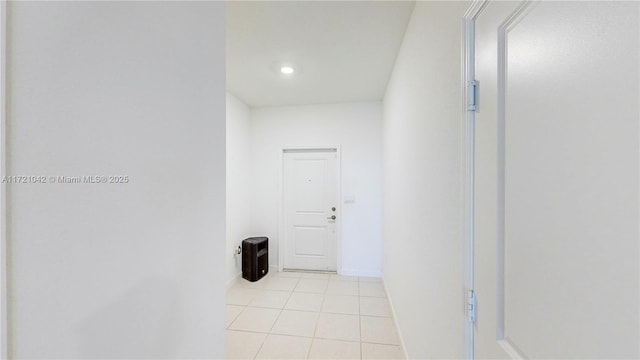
(117, 88)
(422, 219)
(357, 128)
(238, 181)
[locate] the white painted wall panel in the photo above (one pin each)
(422, 220)
(571, 181)
(117, 270)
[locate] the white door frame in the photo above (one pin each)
(3, 199)
(468, 169)
(281, 215)
(467, 163)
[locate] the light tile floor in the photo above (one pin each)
(298, 315)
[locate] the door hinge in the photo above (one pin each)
(472, 95)
(471, 306)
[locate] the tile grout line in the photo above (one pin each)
(324, 296)
(274, 323)
(263, 341)
(237, 316)
(359, 319)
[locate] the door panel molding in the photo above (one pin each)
(321, 230)
(560, 208)
(506, 343)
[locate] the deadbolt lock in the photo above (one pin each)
(333, 208)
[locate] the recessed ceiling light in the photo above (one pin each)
(287, 70)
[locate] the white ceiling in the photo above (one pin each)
(344, 50)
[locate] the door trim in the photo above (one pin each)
(467, 166)
(281, 216)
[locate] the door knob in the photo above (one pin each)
(332, 217)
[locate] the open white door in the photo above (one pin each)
(311, 180)
(557, 180)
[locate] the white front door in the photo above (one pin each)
(556, 185)
(311, 180)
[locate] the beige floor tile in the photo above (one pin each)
(334, 349)
(374, 306)
(255, 319)
(242, 345)
(231, 313)
(321, 276)
(251, 284)
(379, 351)
(338, 327)
(280, 283)
(238, 295)
(312, 286)
(370, 279)
(304, 302)
(340, 304)
(296, 323)
(372, 289)
(335, 277)
(342, 288)
(379, 330)
(270, 299)
(285, 347)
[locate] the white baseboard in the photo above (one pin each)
(357, 272)
(343, 271)
(395, 320)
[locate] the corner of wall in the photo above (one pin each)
(239, 146)
(421, 167)
(395, 319)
